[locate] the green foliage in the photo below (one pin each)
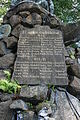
(67, 10)
(6, 85)
(4, 5)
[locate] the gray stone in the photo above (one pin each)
(16, 31)
(10, 41)
(7, 60)
(29, 115)
(64, 110)
(40, 57)
(18, 105)
(2, 50)
(15, 20)
(24, 14)
(75, 83)
(35, 92)
(5, 112)
(5, 30)
(74, 87)
(42, 105)
(33, 19)
(76, 69)
(53, 21)
(2, 75)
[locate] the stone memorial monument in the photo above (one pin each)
(40, 57)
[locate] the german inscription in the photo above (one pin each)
(40, 57)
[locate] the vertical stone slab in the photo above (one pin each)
(40, 57)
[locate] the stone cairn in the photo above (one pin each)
(21, 17)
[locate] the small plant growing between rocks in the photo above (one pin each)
(6, 85)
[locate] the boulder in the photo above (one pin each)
(5, 112)
(30, 115)
(64, 106)
(5, 97)
(16, 31)
(18, 105)
(24, 14)
(2, 48)
(7, 60)
(76, 70)
(42, 105)
(34, 19)
(2, 75)
(34, 92)
(74, 87)
(31, 14)
(11, 42)
(15, 20)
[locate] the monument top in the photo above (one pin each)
(40, 57)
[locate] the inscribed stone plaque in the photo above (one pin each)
(40, 57)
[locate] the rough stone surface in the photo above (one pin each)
(15, 20)
(6, 61)
(29, 115)
(76, 83)
(75, 70)
(5, 112)
(24, 13)
(34, 19)
(74, 87)
(16, 31)
(35, 92)
(42, 105)
(2, 49)
(63, 110)
(18, 104)
(40, 57)
(10, 41)
(2, 75)
(26, 9)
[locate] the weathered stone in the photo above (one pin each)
(24, 14)
(35, 92)
(18, 105)
(74, 87)
(16, 31)
(29, 115)
(5, 97)
(76, 70)
(5, 112)
(76, 84)
(5, 30)
(2, 75)
(71, 32)
(44, 113)
(22, 9)
(2, 50)
(15, 20)
(40, 106)
(40, 57)
(6, 61)
(69, 61)
(64, 109)
(54, 22)
(26, 6)
(11, 42)
(34, 19)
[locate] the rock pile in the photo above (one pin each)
(21, 17)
